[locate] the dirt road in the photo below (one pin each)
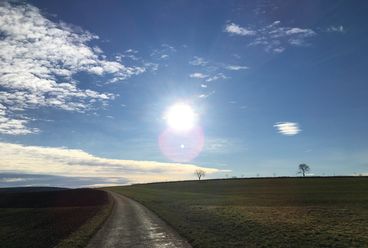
(132, 225)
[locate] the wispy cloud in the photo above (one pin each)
(287, 128)
(338, 29)
(27, 180)
(198, 61)
(224, 145)
(212, 67)
(207, 94)
(236, 67)
(235, 29)
(38, 59)
(274, 37)
(164, 52)
(198, 75)
(65, 162)
(128, 54)
(216, 77)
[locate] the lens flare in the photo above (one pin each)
(180, 117)
(182, 147)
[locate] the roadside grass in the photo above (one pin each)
(65, 218)
(278, 212)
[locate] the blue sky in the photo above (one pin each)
(84, 88)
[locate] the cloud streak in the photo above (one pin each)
(27, 180)
(64, 162)
(273, 38)
(287, 128)
(236, 67)
(198, 75)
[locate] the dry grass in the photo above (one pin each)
(288, 212)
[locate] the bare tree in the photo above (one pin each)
(200, 173)
(303, 168)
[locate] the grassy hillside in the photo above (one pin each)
(46, 218)
(280, 212)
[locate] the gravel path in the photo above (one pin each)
(132, 225)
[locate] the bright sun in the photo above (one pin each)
(180, 117)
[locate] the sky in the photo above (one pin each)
(87, 90)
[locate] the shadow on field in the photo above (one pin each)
(40, 219)
(57, 198)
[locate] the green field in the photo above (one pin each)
(67, 218)
(279, 212)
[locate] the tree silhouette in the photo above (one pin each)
(199, 173)
(303, 168)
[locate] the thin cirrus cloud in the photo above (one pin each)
(206, 95)
(287, 128)
(216, 77)
(338, 29)
(38, 59)
(274, 37)
(64, 162)
(208, 78)
(213, 66)
(198, 75)
(198, 61)
(236, 67)
(164, 52)
(214, 71)
(235, 29)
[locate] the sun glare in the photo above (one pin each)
(180, 117)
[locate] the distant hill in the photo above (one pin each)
(29, 189)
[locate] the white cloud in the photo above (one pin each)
(275, 38)
(216, 77)
(38, 59)
(278, 49)
(17, 158)
(131, 51)
(236, 67)
(214, 69)
(291, 31)
(163, 53)
(274, 24)
(207, 95)
(198, 75)
(339, 29)
(235, 29)
(198, 61)
(288, 128)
